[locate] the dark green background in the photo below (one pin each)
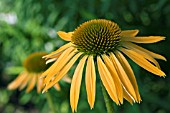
(34, 30)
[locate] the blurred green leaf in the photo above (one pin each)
(25, 98)
(14, 70)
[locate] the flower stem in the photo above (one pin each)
(50, 102)
(108, 100)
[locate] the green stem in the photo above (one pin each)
(50, 102)
(108, 100)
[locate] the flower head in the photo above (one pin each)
(34, 66)
(99, 44)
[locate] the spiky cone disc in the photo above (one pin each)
(96, 36)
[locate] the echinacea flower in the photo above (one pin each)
(99, 44)
(34, 66)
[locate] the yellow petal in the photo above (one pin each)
(65, 36)
(39, 84)
(17, 82)
(148, 39)
(145, 55)
(90, 81)
(129, 33)
(66, 78)
(141, 61)
(126, 66)
(107, 80)
(59, 64)
(127, 96)
(57, 86)
(31, 83)
(62, 72)
(51, 60)
(55, 53)
(53, 57)
(115, 77)
(24, 82)
(76, 83)
(154, 55)
(123, 76)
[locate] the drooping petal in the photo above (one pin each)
(123, 76)
(65, 69)
(31, 82)
(154, 55)
(76, 83)
(141, 61)
(126, 66)
(53, 57)
(90, 81)
(148, 39)
(127, 96)
(107, 80)
(145, 55)
(59, 64)
(25, 82)
(65, 36)
(51, 60)
(115, 77)
(17, 82)
(55, 53)
(129, 33)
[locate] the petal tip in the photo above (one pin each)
(58, 32)
(43, 57)
(164, 59)
(44, 90)
(65, 36)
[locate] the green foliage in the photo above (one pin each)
(34, 30)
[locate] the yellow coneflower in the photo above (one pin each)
(99, 44)
(34, 66)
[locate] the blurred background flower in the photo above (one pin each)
(34, 66)
(30, 26)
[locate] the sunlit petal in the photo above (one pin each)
(55, 53)
(65, 69)
(53, 56)
(107, 80)
(51, 60)
(59, 64)
(76, 83)
(144, 54)
(115, 77)
(129, 33)
(123, 76)
(126, 66)
(90, 81)
(141, 61)
(65, 36)
(148, 39)
(127, 96)
(154, 55)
